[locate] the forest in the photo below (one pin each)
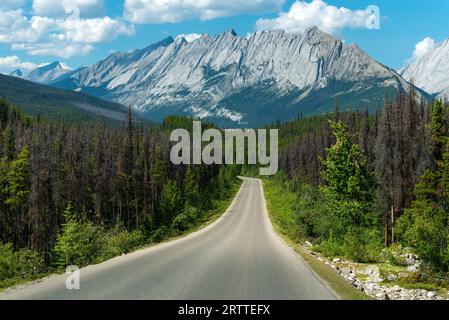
(76, 194)
(367, 182)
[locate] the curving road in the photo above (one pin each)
(239, 256)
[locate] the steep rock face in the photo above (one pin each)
(16, 73)
(242, 81)
(48, 73)
(431, 72)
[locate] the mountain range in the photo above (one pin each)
(45, 74)
(431, 71)
(239, 81)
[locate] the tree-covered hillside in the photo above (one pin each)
(52, 103)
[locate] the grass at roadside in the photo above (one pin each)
(280, 203)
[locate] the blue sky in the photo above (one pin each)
(35, 32)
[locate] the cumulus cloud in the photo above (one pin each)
(10, 63)
(63, 37)
(422, 47)
(189, 37)
(84, 8)
(54, 49)
(317, 13)
(171, 11)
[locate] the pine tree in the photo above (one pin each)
(425, 226)
(384, 150)
(17, 190)
(170, 202)
(346, 170)
(438, 127)
(191, 188)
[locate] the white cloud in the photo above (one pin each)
(54, 49)
(10, 63)
(189, 37)
(92, 30)
(317, 13)
(422, 48)
(14, 27)
(58, 36)
(171, 11)
(84, 8)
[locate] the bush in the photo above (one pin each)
(186, 220)
(359, 244)
(120, 242)
(331, 248)
(161, 234)
(19, 264)
(79, 244)
(363, 245)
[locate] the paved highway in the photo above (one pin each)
(239, 256)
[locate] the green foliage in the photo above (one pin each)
(79, 244)
(170, 202)
(346, 170)
(18, 264)
(348, 194)
(191, 191)
(363, 244)
(18, 177)
(439, 128)
(161, 234)
(186, 219)
(338, 216)
(119, 241)
(425, 225)
(53, 103)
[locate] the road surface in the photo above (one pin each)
(239, 256)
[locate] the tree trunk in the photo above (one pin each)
(392, 225)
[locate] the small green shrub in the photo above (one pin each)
(186, 219)
(363, 245)
(18, 264)
(161, 234)
(330, 248)
(79, 244)
(359, 245)
(121, 242)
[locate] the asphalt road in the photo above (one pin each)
(239, 256)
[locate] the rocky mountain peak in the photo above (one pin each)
(234, 79)
(16, 73)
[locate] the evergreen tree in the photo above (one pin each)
(170, 201)
(425, 226)
(191, 188)
(346, 170)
